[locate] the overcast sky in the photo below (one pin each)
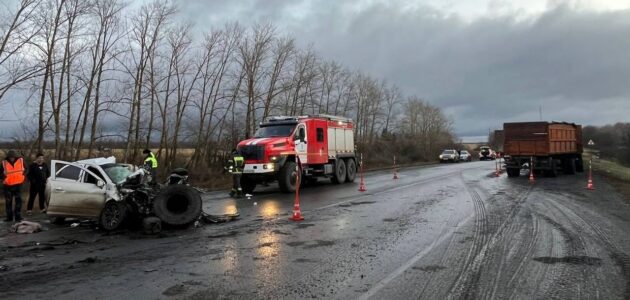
(484, 62)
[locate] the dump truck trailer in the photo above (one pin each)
(550, 146)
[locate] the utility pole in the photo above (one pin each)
(540, 112)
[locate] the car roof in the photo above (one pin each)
(98, 161)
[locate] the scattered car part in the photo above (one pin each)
(152, 225)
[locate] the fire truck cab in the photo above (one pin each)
(323, 145)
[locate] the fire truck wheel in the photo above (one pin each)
(340, 172)
(287, 177)
(351, 172)
(247, 184)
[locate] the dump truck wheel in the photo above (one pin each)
(177, 205)
(579, 164)
(113, 215)
(513, 172)
(340, 172)
(553, 170)
(287, 177)
(569, 166)
(351, 168)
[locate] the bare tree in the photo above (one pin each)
(253, 50)
(14, 38)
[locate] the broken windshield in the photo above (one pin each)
(117, 172)
(274, 131)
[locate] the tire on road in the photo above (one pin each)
(112, 215)
(340, 172)
(177, 205)
(287, 177)
(351, 170)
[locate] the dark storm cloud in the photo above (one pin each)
(483, 71)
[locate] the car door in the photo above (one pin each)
(301, 140)
(72, 193)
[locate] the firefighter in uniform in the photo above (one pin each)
(235, 167)
(13, 172)
(151, 164)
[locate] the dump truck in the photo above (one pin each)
(322, 145)
(548, 146)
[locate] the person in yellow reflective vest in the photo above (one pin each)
(13, 173)
(151, 164)
(235, 167)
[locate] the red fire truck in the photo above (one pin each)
(323, 143)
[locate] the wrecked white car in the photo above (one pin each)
(111, 193)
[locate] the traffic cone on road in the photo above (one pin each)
(362, 187)
(589, 184)
(297, 212)
(395, 169)
(531, 170)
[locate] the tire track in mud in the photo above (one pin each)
(576, 241)
(475, 255)
(504, 238)
(616, 253)
(467, 281)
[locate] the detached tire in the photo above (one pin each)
(287, 177)
(177, 205)
(113, 215)
(351, 172)
(340, 172)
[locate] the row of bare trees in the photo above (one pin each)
(99, 72)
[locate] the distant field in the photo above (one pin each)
(608, 167)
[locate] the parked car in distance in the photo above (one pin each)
(464, 155)
(485, 153)
(449, 155)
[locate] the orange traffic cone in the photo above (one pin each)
(395, 169)
(531, 171)
(297, 212)
(589, 184)
(362, 187)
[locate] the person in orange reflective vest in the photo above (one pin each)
(13, 172)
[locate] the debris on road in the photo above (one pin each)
(26, 227)
(208, 218)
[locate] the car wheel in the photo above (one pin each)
(177, 205)
(113, 215)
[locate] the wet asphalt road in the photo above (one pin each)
(447, 231)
